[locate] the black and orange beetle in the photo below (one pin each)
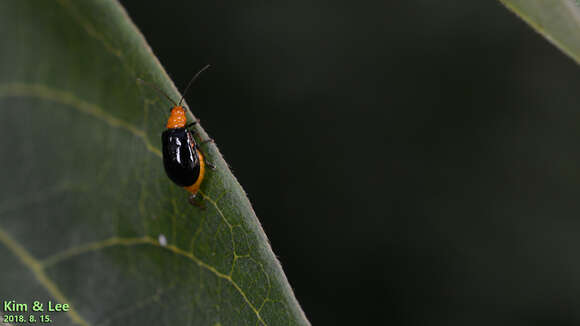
(183, 159)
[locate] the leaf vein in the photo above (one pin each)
(116, 241)
(38, 271)
(67, 98)
(59, 96)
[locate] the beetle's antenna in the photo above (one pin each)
(157, 89)
(191, 82)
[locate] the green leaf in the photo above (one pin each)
(557, 20)
(87, 215)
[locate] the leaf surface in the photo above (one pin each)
(87, 215)
(556, 20)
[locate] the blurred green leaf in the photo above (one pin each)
(87, 215)
(557, 20)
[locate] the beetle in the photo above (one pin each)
(183, 160)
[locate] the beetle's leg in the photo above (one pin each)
(197, 147)
(191, 124)
(209, 140)
(193, 201)
(210, 165)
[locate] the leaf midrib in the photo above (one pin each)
(37, 267)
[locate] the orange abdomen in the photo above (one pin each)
(194, 188)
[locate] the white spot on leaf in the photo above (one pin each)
(162, 240)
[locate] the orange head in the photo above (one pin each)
(177, 118)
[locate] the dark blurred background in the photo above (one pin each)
(412, 162)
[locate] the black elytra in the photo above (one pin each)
(180, 157)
